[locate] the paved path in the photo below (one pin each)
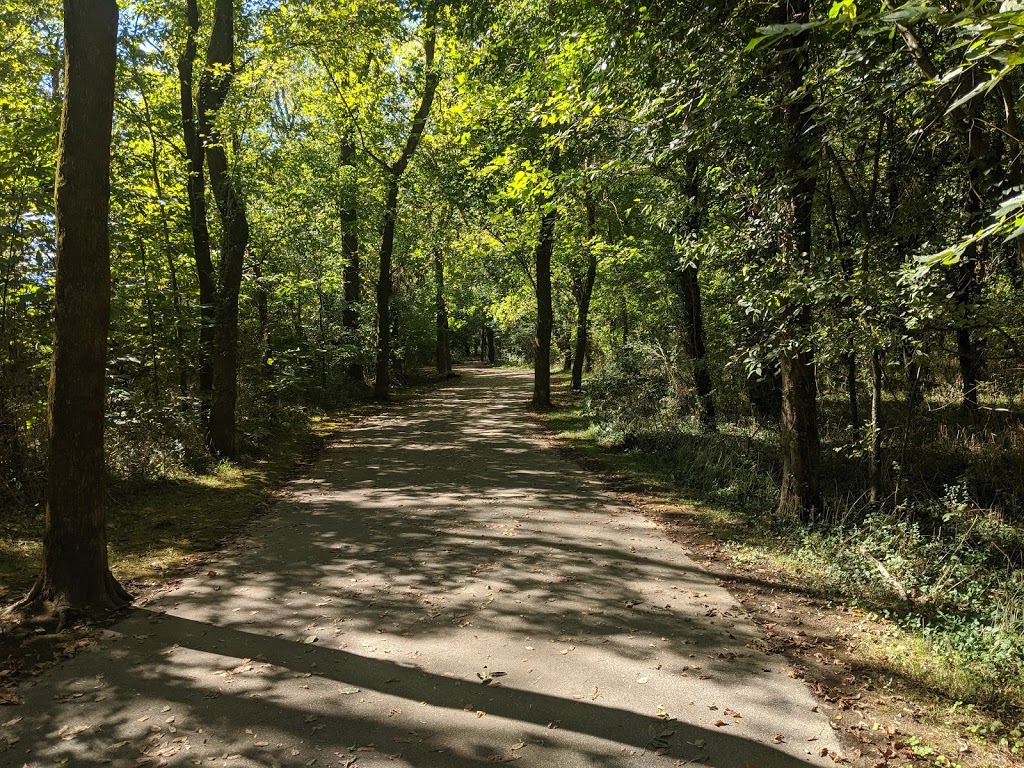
(443, 590)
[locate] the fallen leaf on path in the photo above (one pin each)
(349, 691)
(310, 640)
(642, 680)
(778, 739)
(720, 723)
(7, 698)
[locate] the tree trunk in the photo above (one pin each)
(442, 350)
(800, 496)
(350, 255)
(382, 382)
(76, 577)
(196, 187)
(684, 276)
(584, 291)
(545, 314)
(688, 289)
(213, 91)
(492, 353)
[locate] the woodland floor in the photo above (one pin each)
(442, 588)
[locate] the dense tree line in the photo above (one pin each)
(792, 215)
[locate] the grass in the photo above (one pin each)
(158, 528)
(727, 483)
(161, 526)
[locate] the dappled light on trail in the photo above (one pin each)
(444, 590)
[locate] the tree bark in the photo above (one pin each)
(196, 188)
(800, 494)
(76, 577)
(443, 349)
(583, 291)
(213, 90)
(545, 313)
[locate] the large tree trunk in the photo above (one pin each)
(800, 496)
(213, 91)
(196, 187)
(583, 291)
(76, 576)
(443, 349)
(350, 255)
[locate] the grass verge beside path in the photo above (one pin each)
(893, 699)
(161, 531)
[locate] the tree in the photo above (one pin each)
(542, 283)
(198, 215)
(800, 495)
(76, 577)
(214, 85)
(394, 172)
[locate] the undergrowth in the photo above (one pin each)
(941, 568)
(169, 503)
